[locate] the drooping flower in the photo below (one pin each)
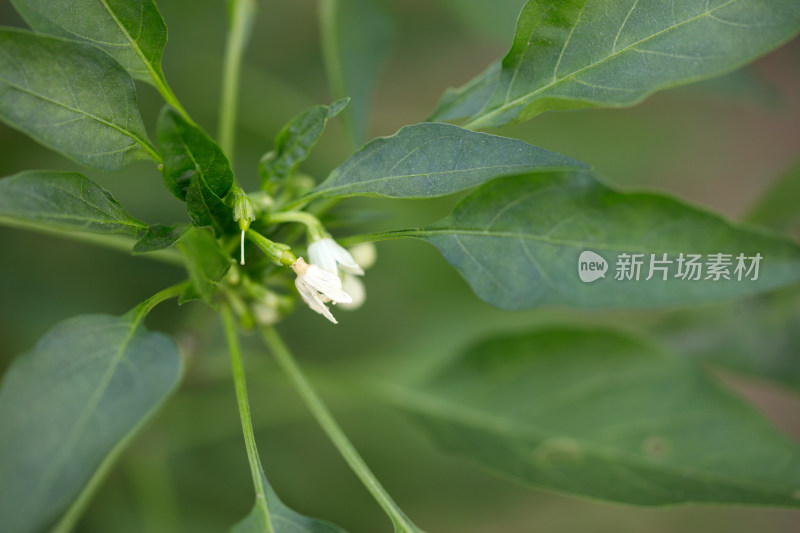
(330, 256)
(317, 287)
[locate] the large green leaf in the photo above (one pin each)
(274, 517)
(195, 170)
(519, 243)
(600, 414)
(206, 262)
(427, 160)
(296, 140)
(353, 59)
(72, 98)
(130, 31)
(68, 407)
(64, 201)
(586, 53)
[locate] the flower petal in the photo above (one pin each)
(321, 253)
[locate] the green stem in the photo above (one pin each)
(146, 306)
(112, 242)
(312, 223)
(323, 416)
(331, 57)
(240, 385)
(377, 237)
(241, 16)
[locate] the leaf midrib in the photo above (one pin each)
(130, 222)
(357, 184)
(91, 406)
(128, 133)
(133, 44)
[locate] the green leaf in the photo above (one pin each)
(69, 407)
(195, 170)
(600, 414)
(428, 160)
(296, 140)
(518, 242)
(206, 262)
(275, 517)
(592, 53)
(160, 237)
(62, 201)
(778, 207)
(130, 31)
(72, 98)
(353, 59)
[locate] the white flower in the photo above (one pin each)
(317, 287)
(330, 256)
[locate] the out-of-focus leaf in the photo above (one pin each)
(779, 207)
(130, 31)
(353, 58)
(68, 408)
(520, 243)
(428, 160)
(296, 140)
(64, 201)
(72, 98)
(758, 336)
(195, 170)
(275, 517)
(206, 262)
(494, 20)
(591, 53)
(600, 414)
(468, 100)
(160, 237)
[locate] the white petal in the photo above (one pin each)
(346, 261)
(328, 284)
(353, 286)
(312, 298)
(321, 253)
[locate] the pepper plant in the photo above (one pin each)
(595, 411)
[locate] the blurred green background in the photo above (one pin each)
(719, 144)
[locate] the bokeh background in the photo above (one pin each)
(719, 144)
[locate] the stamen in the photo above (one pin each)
(241, 246)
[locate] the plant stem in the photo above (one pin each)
(112, 242)
(323, 416)
(241, 16)
(244, 408)
(146, 306)
(312, 223)
(377, 237)
(331, 57)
